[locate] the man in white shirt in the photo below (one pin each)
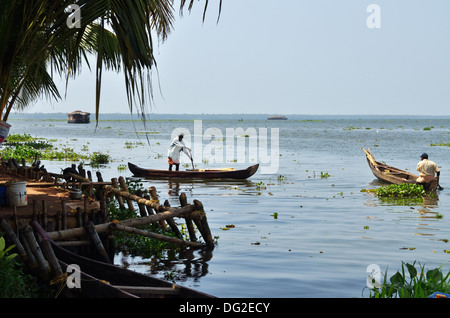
(175, 148)
(427, 169)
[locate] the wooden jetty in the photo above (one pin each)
(84, 223)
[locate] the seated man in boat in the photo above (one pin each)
(427, 169)
(175, 148)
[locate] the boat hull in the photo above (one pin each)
(193, 174)
(394, 175)
(103, 280)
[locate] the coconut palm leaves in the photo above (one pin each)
(37, 41)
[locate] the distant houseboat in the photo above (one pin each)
(277, 118)
(79, 117)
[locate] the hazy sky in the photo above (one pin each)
(293, 57)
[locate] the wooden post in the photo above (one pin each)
(142, 210)
(44, 214)
(171, 222)
(64, 214)
(79, 215)
(206, 232)
(118, 197)
(149, 208)
(58, 220)
(154, 198)
(29, 259)
(123, 187)
(51, 259)
(189, 224)
(99, 176)
(93, 235)
(35, 211)
(85, 209)
(103, 208)
(37, 252)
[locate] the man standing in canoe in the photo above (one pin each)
(427, 169)
(175, 148)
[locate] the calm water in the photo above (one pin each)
(327, 232)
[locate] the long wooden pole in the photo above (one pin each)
(101, 228)
(160, 237)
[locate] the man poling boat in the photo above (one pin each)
(176, 147)
(427, 170)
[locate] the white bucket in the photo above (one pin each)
(4, 130)
(17, 193)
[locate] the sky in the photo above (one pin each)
(312, 57)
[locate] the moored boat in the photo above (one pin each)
(226, 173)
(394, 175)
(277, 118)
(103, 280)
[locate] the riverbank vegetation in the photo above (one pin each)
(410, 282)
(14, 283)
(24, 146)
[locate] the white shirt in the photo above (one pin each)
(427, 168)
(175, 148)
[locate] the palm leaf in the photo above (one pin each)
(35, 36)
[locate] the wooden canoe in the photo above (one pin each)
(103, 280)
(194, 173)
(394, 175)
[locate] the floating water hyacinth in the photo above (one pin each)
(401, 190)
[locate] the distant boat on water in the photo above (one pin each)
(79, 117)
(277, 118)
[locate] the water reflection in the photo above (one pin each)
(422, 209)
(181, 266)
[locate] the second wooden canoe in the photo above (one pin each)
(394, 175)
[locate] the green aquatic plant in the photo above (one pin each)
(19, 138)
(324, 175)
(261, 186)
(442, 144)
(99, 158)
(410, 283)
(401, 190)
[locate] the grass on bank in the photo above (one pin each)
(14, 283)
(17, 146)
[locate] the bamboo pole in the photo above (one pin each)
(43, 266)
(49, 253)
(29, 259)
(104, 227)
(160, 237)
(124, 188)
(12, 237)
(93, 235)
